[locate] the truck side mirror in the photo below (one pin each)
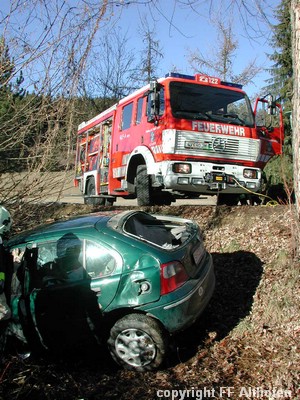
(153, 101)
(271, 105)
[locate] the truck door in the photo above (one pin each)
(270, 127)
(104, 154)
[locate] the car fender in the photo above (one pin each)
(141, 285)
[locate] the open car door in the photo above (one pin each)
(56, 314)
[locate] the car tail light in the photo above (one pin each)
(172, 276)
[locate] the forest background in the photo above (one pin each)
(63, 62)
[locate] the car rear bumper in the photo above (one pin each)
(179, 314)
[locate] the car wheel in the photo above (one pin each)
(138, 342)
(143, 190)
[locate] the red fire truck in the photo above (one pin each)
(180, 136)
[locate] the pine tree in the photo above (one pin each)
(282, 70)
(279, 170)
(11, 99)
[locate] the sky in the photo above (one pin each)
(181, 29)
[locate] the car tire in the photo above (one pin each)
(143, 189)
(138, 342)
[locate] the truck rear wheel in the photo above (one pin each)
(91, 191)
(143, 188)
(227, 199)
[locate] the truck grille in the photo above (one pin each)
(203, 144)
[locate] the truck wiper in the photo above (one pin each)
(193, 115)
(232, 116)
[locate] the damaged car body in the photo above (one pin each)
(129, 278)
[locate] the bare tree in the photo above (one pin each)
(151, 54)
(220, 60)
(112, 66)
(50, 42)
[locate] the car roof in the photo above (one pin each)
(104, 222)
(78, 222)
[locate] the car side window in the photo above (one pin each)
(99, 261)
(46, 253)
(62, 249)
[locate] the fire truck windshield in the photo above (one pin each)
(192, 101)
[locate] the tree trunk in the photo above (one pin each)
(295, 18)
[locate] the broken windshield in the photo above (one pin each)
(191, 101)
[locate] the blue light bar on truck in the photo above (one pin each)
(204, 79)
(235, 85)
(176, 75)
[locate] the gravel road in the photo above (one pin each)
(59, 187)
(72, 194)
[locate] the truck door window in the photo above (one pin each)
(139, 110)
(127, 116)
(161, 101)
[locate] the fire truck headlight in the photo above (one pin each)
(183, 181)
(182, 168)
(197, 181)
(250, 173)
(251, 185)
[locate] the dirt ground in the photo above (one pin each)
(245, 344)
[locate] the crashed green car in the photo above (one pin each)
(130, 278)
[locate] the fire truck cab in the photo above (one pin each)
(180, 136)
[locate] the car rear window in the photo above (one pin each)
(158, 231)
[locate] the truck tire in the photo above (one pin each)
(109, 201)
(138, 342)
(227, 199)
(91, 191)
(161, 198)
(143, 189)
